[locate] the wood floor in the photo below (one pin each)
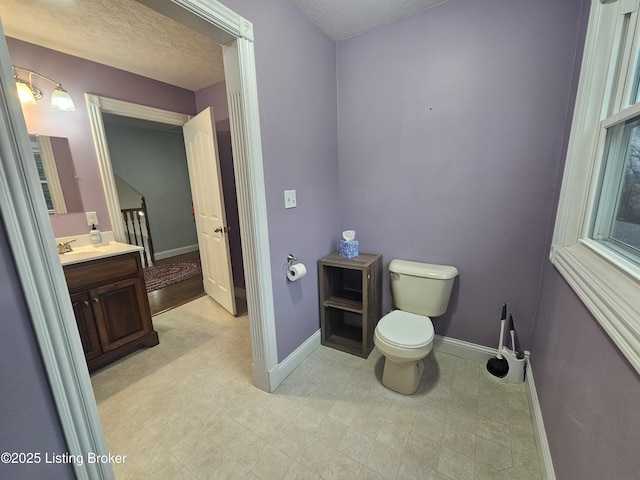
(177, 294)
(183, 292)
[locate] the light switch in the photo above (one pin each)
(290, 199)
(92, 218)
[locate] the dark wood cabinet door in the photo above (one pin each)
(120, 314)
(83, 312)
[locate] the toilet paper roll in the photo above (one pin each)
(296, 272)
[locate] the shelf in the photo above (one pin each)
(347, 338)
(345, 303)
(350, 301)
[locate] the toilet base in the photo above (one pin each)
(402, 377)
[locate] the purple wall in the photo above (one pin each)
(28, 417)
(452, 129)
(588, 391)
(296, 72)
(450, 133)
(78, 77)
(214, 96)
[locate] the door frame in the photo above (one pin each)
(97, 106)
(30, 235)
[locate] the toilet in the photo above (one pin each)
(405, 336)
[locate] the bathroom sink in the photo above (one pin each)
(91, 252)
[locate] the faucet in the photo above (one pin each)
(65, 247)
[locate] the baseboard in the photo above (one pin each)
(545, 460)
(295, 358)
(460, 348)
(176, 251)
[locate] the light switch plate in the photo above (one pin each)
(290, 199)
(92, 218)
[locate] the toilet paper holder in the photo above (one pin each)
(297, 271)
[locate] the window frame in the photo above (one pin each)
(611, 178)
(606, 282)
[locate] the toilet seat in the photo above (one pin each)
(405, 330)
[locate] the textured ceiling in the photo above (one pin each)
(127, 35)
(119, 33)
(342, 19)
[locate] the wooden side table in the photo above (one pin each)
(350, 301)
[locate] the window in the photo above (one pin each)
(616, 216)
(596, 241)
(43, 181)
(48, 173)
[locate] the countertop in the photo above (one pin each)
(93, 252)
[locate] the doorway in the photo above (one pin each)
(149, 163)
(39, 271)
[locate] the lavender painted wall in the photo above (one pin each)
(214, 96)
(296, 73)
(78, 77)
(450, 133)
(588, 391)
(28, 417)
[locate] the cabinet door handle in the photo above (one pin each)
(86, 303)
(95, 300)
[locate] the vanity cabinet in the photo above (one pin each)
(110, 304)
(350, 301)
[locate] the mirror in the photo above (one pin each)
(57, 174)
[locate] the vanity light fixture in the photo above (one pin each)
(28, 93)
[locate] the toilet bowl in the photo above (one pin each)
(404, 339)
(405, 336)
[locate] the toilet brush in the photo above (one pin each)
(499, 366)
(512, 331)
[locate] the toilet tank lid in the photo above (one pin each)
(419, 269)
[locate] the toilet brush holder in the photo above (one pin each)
(517, 367)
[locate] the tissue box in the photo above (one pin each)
(349, 249)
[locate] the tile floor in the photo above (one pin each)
(186, 409)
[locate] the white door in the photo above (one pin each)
(208, 204)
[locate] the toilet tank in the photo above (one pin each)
(421, 288)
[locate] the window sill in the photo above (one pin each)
(611, 293)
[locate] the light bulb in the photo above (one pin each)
(61, 100)
(25, 94)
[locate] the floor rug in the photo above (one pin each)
(164, 275)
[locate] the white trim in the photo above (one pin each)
(176, 251)
(32, 243)
(544, 452)
(244, 121)
(295, 358)
(96, 106)
(622, 116)
(609, 293)
(30, 236)
(460, 348)
(606, 286)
